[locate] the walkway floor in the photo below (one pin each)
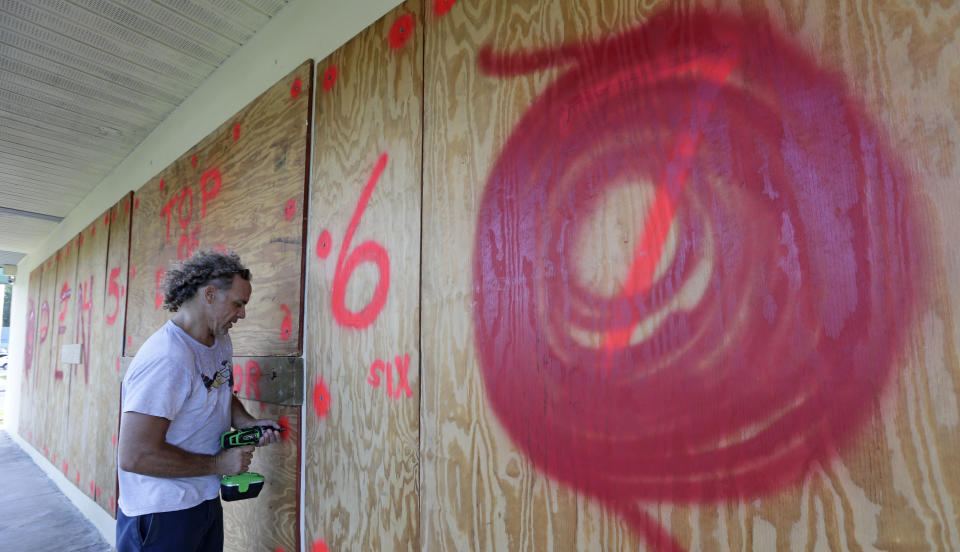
(34, 515)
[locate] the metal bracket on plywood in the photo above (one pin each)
(276, 380)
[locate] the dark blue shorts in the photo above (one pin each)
(197, 529)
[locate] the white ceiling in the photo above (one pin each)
(82, 82)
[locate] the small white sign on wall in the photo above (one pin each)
(71, 354)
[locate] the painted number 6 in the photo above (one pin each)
(368, 251)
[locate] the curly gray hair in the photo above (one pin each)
(204, 267)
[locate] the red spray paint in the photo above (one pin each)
(401, 31)
(44, 322)
(113, 290)
(402, 366)
(30, 337)
(330, 77)
(368, 251)
(777, 315)
(321, 398)
(84, 326)
(441, 7)
(158, 289)
(286, 327)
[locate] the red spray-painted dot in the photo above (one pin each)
(78, 478)
(441, 7)
(324, 244)
(133, 271)
(295, 88)
(161, 184)
(98, 492)
(79, 240)
(113, 216)
(236, 131)
(115, 435)
(319, 546)
(158, 291)
(106, 219)
(92, 487)
(113, 503)
(193, 161)
(126, 206)
(401, 31)
(93, 231)
(290, 210)
(129, 341)
(136, 203)
(330, 77)
(123, 291)
(118, 364)
(66, 468)
(286, 327)
(284, 422)
(321, 398)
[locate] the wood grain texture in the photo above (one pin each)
(894, 487)
(361, 467)
(86, 391)
(479, 492)
(73, 419)
(63, 325)
(108, 323)
(27, 427)
(271, 521)
(241, 188)
(43, 373)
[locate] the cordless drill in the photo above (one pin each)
(243, 485)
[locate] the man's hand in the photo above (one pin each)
(240, 419)
(271, 433)
(235, 460)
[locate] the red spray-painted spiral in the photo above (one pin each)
(770, 292)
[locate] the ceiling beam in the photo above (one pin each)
(30, 214)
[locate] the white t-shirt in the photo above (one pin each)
(176, 377)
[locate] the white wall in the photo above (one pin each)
(303, 29)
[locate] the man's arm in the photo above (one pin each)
(143, 449)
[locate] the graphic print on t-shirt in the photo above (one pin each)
(224, 375)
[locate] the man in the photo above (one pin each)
(177, 400)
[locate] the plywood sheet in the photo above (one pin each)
(84, 437)
(363, 359)
(104, 255)
(43, 372)
(62, 422)
(54, 384)
(686, 284)
(28, 408)
(271, 521)
(109, 322)
(241, 188)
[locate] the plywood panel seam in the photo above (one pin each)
(423, 109)
(308, 165)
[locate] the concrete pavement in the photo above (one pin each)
(34, 515)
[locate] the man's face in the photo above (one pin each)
(230, 305)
